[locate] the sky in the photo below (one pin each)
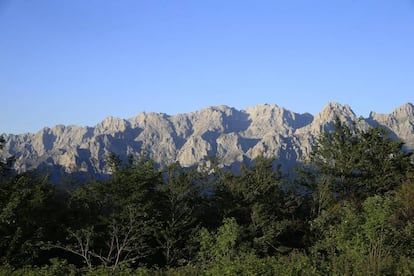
(79, 61)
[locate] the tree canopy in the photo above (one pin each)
(350, 211)
(357, 162)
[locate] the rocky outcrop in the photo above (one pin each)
(232, 135)
(400, 122)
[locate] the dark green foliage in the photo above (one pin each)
(353, 175)
(258, 202)
(353, 214)
(5, 165)
(120, 216)
(29, 214)
(179, 207)
(357, 163)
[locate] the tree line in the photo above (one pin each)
(349, 210)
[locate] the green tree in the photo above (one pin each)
(354, 240)
(357, 163)
(179, 208)
(221, 246)
(403, 218)
(29, 214)
(118, 216)
(5, 165)
(352, 175)
(267, 211)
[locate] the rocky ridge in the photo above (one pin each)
(233, 135)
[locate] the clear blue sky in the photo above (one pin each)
(78, 61)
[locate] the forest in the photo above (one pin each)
(347, 210)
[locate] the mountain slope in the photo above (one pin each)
(233, 135)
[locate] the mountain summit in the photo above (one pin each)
(233, 135)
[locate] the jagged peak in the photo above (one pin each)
(339, 106)
(144, 114)
(274, 109)
(149, 118)
(112, 123)
(403, 111)
(335, 109)
(220, 108)
(324, 119)
(111, 120)
(264, 108)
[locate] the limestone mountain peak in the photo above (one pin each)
(232, 135)
(404, 111)
(334, 109)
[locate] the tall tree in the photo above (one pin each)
(358, 163)
(258, 201)
(179, 208)
(353, 173)
(29, 214)
(122, 213)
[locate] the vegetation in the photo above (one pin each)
(350, 211)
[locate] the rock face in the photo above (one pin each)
(232, 135)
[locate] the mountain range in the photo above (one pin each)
(235, 136)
